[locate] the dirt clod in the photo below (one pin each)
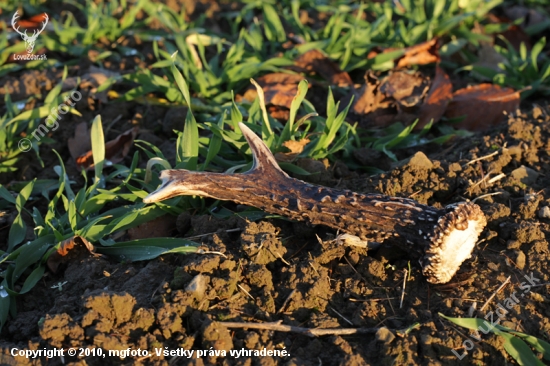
(261, 244)
(525, 175)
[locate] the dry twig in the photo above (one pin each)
(311, 332)
(496, 292)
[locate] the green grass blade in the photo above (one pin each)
(146, 249)
(274, 30)
(267, 132)
(18, 228)
(470, 323)
(288, 131)
(215, 143)
(152, 162)
(33, 278)
(188, 142)
(98, 146)
(5, 300)
(538, 344)
(519, 350)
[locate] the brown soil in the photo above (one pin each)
(276, 270)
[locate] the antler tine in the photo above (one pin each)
(13, 19)
(44, 23)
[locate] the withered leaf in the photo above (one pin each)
(439, 96)
(295, 147)
(279, 113)
(316, 61)
(74, 246)
(115, 150)
(380, 103)
(370, 105)
(369, 98)
(407, 89)
(482, 105)
(279, 88)
(420, 54)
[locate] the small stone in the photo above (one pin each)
(544, 212)
(384, 335)
(525, 175)
(197, 286)
(520, 259)
(420, 161)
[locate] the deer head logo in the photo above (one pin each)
(29, 40)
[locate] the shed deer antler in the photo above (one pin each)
(29, 40)
(443, 238)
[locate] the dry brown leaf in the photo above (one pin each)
(295, 147)
(435, 104)
(368, 99)
(370, 105)
(279, 88)
(316, 61)
(482, 105)
(279, 113)
(68, 250)
(420, 54)
(380, 103)
(115, 150)
(407, 89)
